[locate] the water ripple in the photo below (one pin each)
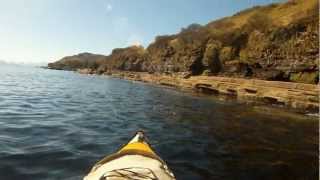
(56, 125)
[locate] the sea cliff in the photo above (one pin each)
(268, 53)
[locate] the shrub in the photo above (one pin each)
(259, 21)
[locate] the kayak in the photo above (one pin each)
(136, 160)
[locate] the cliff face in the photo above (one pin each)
(130, 59)
(274, 42)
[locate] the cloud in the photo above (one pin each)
(134, 40)
(127, 32)
(109, 7)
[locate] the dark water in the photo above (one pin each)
(56, 125)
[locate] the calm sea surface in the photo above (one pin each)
(57, 124)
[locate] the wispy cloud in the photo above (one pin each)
(134, 40)
(109, 8)
(128, 31)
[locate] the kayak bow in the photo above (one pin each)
(136, 160)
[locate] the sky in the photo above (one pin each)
(41, 31)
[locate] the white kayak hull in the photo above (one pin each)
(136, 160)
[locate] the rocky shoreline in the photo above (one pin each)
(297, 96)
(276, 42)
(264, 54)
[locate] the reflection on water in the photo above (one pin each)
(56, 125)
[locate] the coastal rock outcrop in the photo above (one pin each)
(79, 61)
(267, 54)
(298, 96)
(126, 59)
(274, 42)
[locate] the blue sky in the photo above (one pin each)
(46, 30)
